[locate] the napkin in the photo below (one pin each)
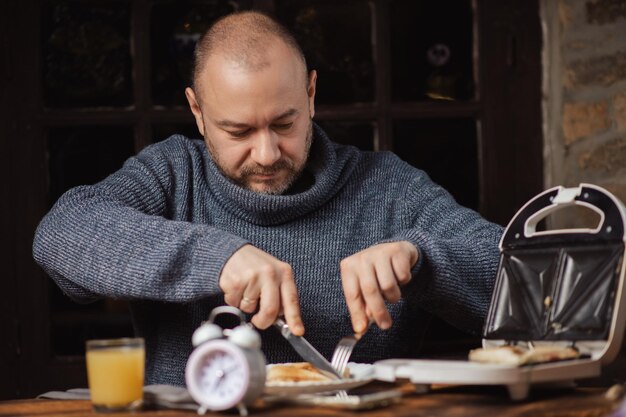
(159, 396)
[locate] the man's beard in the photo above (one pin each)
(272, 187)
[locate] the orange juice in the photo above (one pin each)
(115, 376)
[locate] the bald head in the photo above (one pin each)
(242, 38)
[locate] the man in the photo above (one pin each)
(268, 215)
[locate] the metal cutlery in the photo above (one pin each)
(344, 349)
(306, 350)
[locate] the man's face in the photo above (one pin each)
(256, 122)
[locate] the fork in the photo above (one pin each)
(344, 349)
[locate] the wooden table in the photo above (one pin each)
(440, 402)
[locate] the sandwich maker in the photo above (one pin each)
(557, 287)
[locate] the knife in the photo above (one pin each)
(306, 350)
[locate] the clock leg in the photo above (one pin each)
(243, 411)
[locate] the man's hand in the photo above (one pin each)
(253, 279)
(374, 275)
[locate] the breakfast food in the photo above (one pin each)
(295, 372)
(509, 355)
(514, 355)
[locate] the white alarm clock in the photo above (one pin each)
(227, 368)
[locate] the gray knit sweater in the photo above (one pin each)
(158, 232)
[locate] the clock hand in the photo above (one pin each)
(214, 378)
(221, 373)
(231, 368)
(213, 382)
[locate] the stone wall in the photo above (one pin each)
(584, 61)
(584, 109)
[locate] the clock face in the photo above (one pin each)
(219, 375)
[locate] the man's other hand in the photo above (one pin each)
(253, 279)
(373, 276)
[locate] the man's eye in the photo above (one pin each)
(239, 134)
(283, 126)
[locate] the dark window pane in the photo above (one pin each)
(336, 40)
(431, 48)
(359, 134)
(163, 131)
(446, 150)
(85, 155)
(175, 29)
(104, 319)
(86, 54)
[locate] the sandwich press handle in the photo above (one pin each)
(612, 213)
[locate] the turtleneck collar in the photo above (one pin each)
(327, 170)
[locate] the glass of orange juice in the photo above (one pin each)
(115, 371)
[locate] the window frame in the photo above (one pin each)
(507, 40)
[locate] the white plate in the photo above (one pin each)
(360, 374)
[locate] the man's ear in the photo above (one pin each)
(195, 109)
(311, 91)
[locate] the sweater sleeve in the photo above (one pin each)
(114, 239)
(459, 256)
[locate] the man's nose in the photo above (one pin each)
(265, 151)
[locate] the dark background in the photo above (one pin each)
(451, 86)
